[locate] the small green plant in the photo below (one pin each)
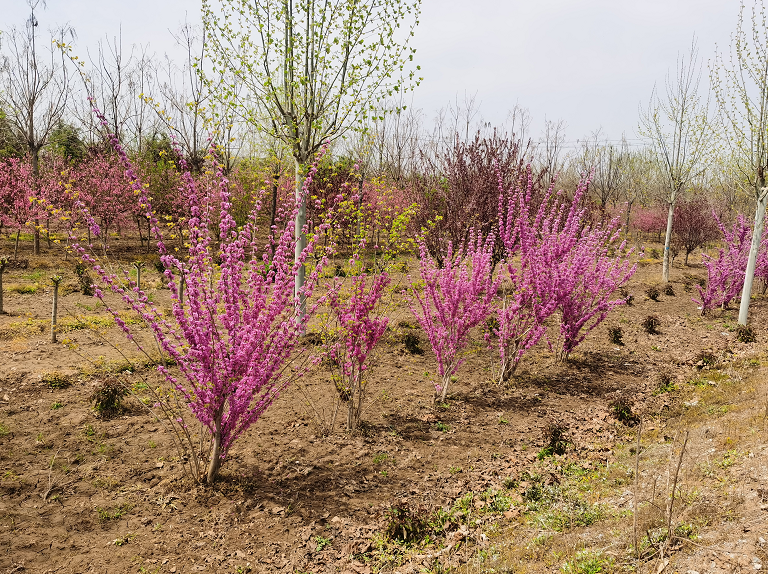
(664, 384)
(685, 530)
(407, 524)
(622, 411)
(616, 335)
(108, 397)
(653, 292)
(455, 470)
(729, 459)
(380, 458)
(588, 562)
(124, 540)
(152, 444)
(84, 280)
(651, 325)
(555, 439)
(442, 427)
(56, 405)
(107, 514)
(322, 543)
(705, 358)
(56, 380)
(4, 430)
(745, 334)
(654, 253)
(89, 432)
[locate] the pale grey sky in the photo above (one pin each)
(590, 63)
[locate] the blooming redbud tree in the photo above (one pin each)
(237, 334)
(528, 300)
(455, 298)
(725, 274)
(359, 330)
(555, 262)
(17, 204)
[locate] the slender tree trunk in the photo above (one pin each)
(16, 246)
(3, 263)
(301, 239)
(55, 307)
(138, 226)
(757, 235)
(273, 211)
(214, 464)
(36, 178)
(668, 240)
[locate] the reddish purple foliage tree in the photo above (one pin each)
(693, 225)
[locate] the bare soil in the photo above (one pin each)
(82, 493)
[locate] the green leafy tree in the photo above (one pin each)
(676, 125)
(741, 91)
(310, 71)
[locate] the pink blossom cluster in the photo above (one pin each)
(725, 273)
(456, 298)
(555, 262)
(234, 338)
(360, 329)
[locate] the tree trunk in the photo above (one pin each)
(273, 211)
(214, 464)
(55, 308)
(301, 240)
(36, 179)
(3, 263)
(667, 241)
(138, 226)
(757, 235)
(16, 246)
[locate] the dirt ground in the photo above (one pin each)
(536, 476)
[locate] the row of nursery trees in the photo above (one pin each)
(252, 232)
(236, 333)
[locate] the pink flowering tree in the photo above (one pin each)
(555, 261)
(101, 185)
(454, 299)
(725, 273)
(235, 340)
(651, 221)
(358, 329)
(17, 202)
(527, 300)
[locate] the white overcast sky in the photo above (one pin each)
(591, 63)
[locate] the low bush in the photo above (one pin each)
(616, 335)
(651, 325)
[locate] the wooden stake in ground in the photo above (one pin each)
(3, 263)
(56, 279)
(138, 265)
(637, 472)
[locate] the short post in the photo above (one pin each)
(138, 265)
(181, 289)
(3, 264)
(56, 279)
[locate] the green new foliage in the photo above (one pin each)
(311, 69)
